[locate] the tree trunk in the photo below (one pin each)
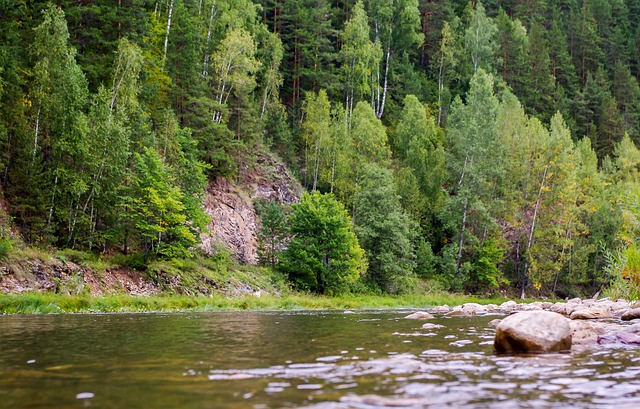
(205, 65)
(533, 229)
(166, 37)
(462, 230)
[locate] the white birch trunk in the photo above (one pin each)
(205, 65)
(166, 37)
(533, 229)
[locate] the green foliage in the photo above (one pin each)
(115, 117)
(273, 233)
(5, 247)
(324, 255)
(485, 273)
(154, 211)
(385, 231)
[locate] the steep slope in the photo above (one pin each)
(234, 221)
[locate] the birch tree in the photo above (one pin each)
(479, 40)
(396, 27)
(235, 66)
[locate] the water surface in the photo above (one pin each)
(320, 360)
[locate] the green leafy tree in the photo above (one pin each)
(396, 28)
(316, 131)
(447, 59)
(153, 213)
(476, 168)
(363, 141)
(385, 231)
(421, 148)
(59, 94)
(324, 255)
(235, 67)
(479, 40)
(359, 55)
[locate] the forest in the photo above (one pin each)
(483, 145)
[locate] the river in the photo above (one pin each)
(319, 360)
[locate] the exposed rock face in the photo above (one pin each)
(533, 332)
(69, 278)
(234, 222)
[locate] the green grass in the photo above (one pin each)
(47, 303)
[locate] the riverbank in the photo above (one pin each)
(38, 282)
(49, 303)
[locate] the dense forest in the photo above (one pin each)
(483, 145)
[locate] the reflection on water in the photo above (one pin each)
(370, 359)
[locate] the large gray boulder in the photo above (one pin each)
(532, 332)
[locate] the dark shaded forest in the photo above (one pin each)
(483, 146)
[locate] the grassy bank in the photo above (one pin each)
(47, 303)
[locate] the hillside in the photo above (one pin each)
(481, 146)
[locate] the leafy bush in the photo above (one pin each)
(5, 247)
(623, 268)
(135, 261)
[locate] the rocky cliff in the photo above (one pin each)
(230, 205)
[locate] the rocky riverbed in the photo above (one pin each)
(541, 327)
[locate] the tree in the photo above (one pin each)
(447, 61)
(385, 231)
(235, 65)
(588, 53)
(153, 211)
(421, 147)
(366, 142)
(479, 40)
(359, 57)
(273, 233)
(59, 95)
(396, 27)
(476, 168)
(538, 99)
(316, 132)
(324, 255)
(514, 44)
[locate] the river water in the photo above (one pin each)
(319, 360)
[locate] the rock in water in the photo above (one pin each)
(619, 338)
(592, 313)
(419, 315)
(441, 309)
(631, 314)
(533, 332)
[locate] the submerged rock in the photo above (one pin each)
(619, 338)
(419, 315)
(533, 332)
